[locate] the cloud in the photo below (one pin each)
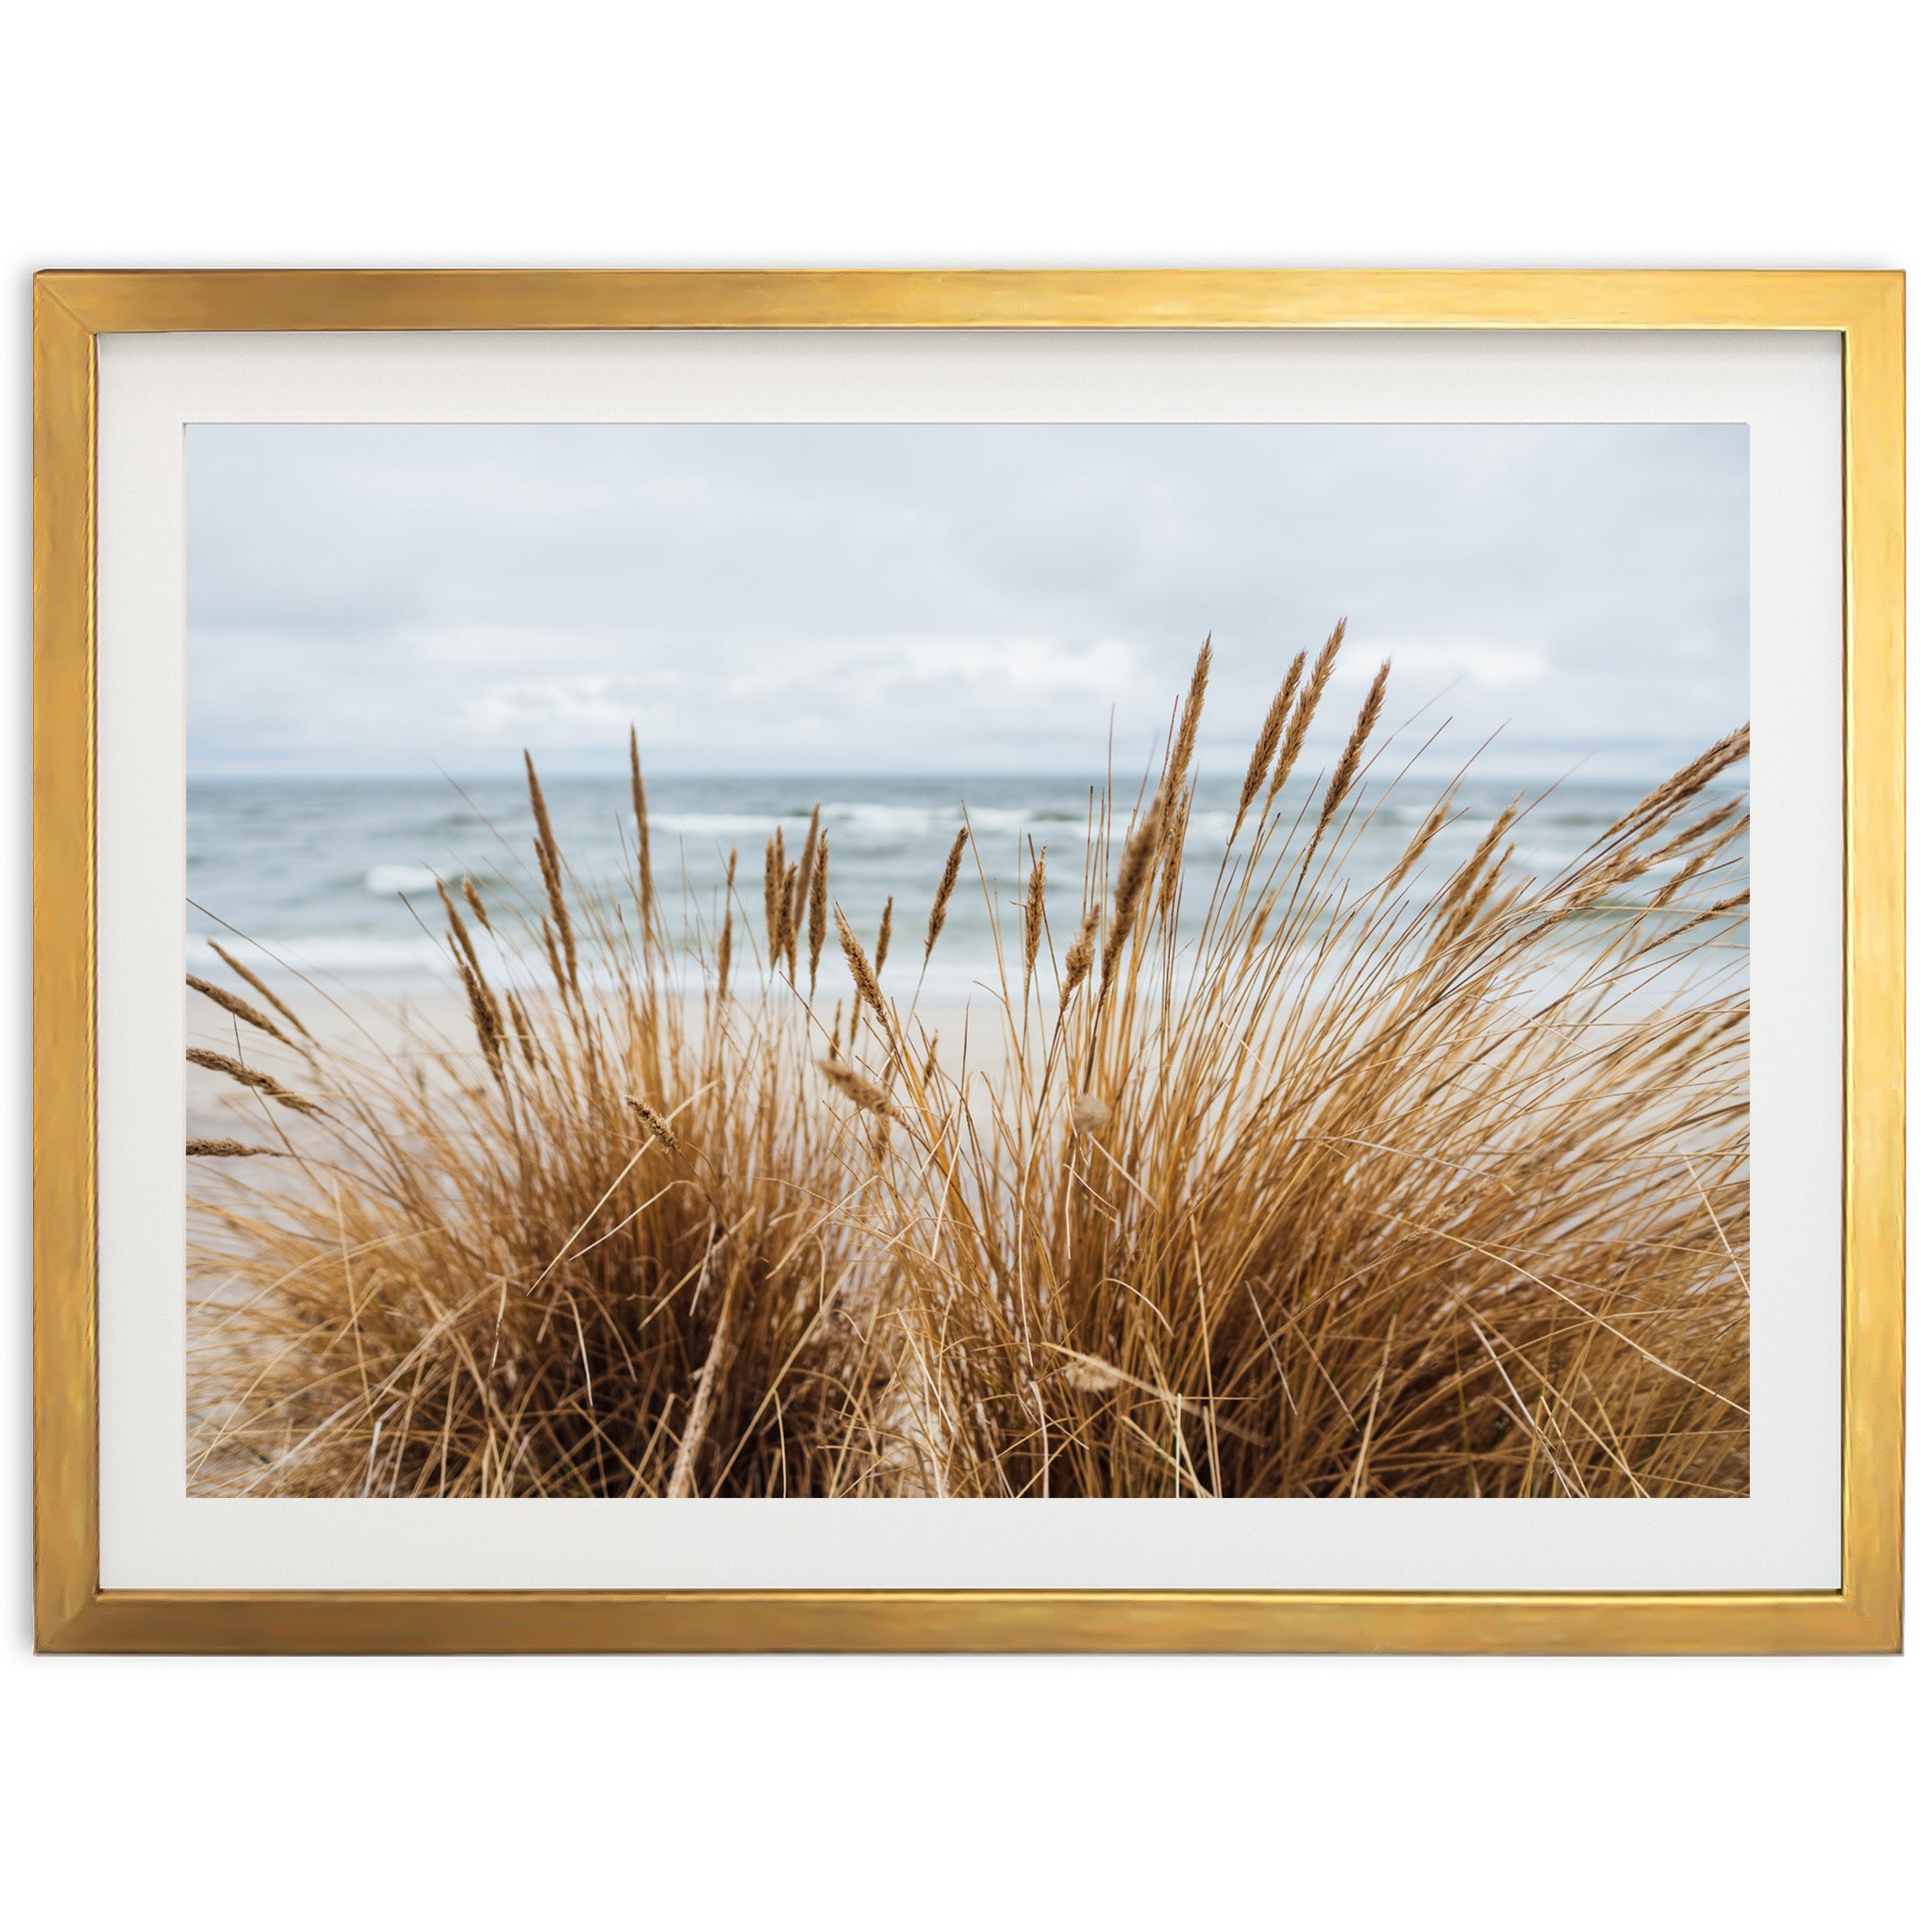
(913, 669)
(1486, 665)
(940, 596)
(570, 709)
(1038, 667)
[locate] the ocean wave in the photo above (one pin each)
(870, 823)
(891, 821)
(385, 880)
(721, 825)
(321, 954)
(359, 957)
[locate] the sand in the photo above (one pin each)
(425, 1025)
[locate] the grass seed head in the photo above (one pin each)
(229, 1003)
(935, 919)
(1137, 867)
(1093, 1377)
(1182, 755)
(819, 894)
(807, 863)
(642, 818)
(653, 1122)
(863, 977)
(550, 865)
(1306, 706)
(248, 978)
(251, 1077)
(724, 930)
(788, 924)
(865, 1095)
(1268, 741)
(1033, 919)
(1079, 962)
(1349, 763)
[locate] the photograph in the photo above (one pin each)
(976, 887)
(1046, 961)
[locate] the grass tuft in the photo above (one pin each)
(1315, 1187)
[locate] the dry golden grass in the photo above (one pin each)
(1331, 1190)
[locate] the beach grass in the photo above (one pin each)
(1257, 1181)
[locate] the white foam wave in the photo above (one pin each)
(892, 821)
(384, 880)
(720, 824)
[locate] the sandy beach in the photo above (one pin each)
(432, 1028)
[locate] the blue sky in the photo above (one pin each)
(931, 597)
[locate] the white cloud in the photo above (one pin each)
(1038, 667)
(940, 596)
(573, 709)
(1486, 664)
(1103, 667)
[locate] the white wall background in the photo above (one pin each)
(1367, 1792)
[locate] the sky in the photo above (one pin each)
(393, 599)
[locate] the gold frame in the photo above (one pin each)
(74, 1613)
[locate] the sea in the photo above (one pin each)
(333, 880)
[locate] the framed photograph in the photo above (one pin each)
(1090, 960)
